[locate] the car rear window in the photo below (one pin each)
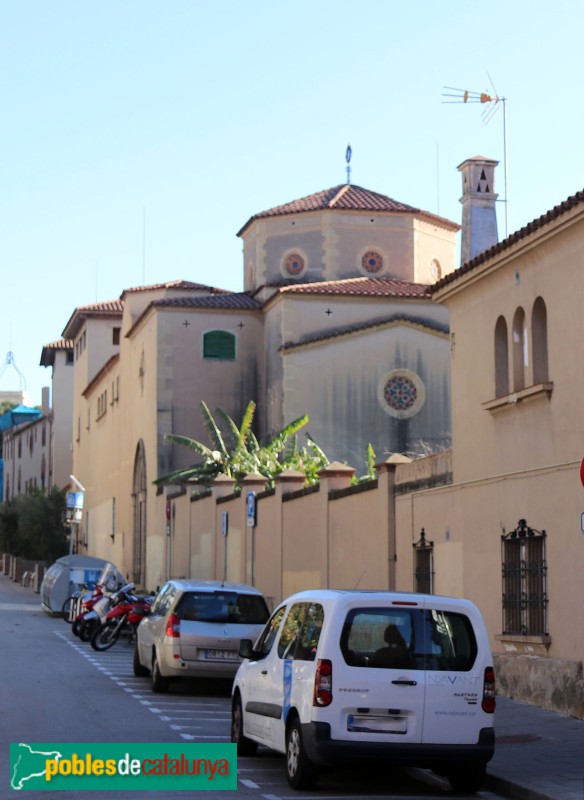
(223, 606)
(423, 639)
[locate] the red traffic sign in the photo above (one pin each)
(582, 472)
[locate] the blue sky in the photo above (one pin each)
(137, 137)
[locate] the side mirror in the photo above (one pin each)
(246, 648)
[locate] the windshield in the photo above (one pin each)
(110, 578)
(223, 606)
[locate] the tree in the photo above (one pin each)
(6, 405)
(238, 452)
(32, 526)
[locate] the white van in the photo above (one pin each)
(361, 675)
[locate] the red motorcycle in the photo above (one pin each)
(86, 605)
(124, 617)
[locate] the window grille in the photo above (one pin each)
(424, 565)
(525, 598)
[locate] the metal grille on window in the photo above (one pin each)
(424, 564)
(525, 598)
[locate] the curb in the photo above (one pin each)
(512, 789)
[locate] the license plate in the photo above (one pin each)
(222, 655)
(379, 724)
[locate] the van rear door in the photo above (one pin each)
(456, 652)
(379, 689)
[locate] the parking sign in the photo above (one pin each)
(251, 509)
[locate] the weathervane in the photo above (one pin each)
(492, 103)
(348, 155)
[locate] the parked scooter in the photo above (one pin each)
(94, 613)
(125, 615)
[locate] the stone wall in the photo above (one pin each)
(27, 572)
(553, 683)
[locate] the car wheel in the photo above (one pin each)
(139, 670)
(302, 773)
(467, 781)
(245, 746)
(159, 682)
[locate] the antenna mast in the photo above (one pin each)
(492, 104)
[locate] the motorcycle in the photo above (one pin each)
(86, 608)
(93, 615)
(125, 616)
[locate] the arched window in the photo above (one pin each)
(539, 339)
(220, 345)
(520, 350)
(501, 358)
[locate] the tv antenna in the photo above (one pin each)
(492, 103)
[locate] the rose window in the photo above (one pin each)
(400, 393)
(294, 264)
(372, 261)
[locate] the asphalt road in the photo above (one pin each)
(55, 688)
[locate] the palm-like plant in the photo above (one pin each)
(242, 453)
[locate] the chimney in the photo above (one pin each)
(46, 402)
(479, 214)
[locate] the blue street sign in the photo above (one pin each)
(251, 509)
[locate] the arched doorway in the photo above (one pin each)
(139, 511)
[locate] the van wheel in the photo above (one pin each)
(159, 682)
(245, 746)
(467, 781)
(302, 773)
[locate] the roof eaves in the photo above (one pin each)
(112, 309)
(364, 327)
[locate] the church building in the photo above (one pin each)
(335, 320)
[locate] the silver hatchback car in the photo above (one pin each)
(194, 628)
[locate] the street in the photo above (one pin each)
(56, 688)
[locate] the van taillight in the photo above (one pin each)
(173, 626)
(323, 683)
(489, 701)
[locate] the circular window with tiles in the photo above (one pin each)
(401, 393)
(294, 264)
(372, 262)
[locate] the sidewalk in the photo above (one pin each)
(539, 754)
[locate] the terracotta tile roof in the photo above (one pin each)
(111, 309)
(346, 197)
(181, 285)
(49, 350)
(384, 322)
(532, 227)
(228, 301)
(360, 287)
(60, 344)
(235, 300)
